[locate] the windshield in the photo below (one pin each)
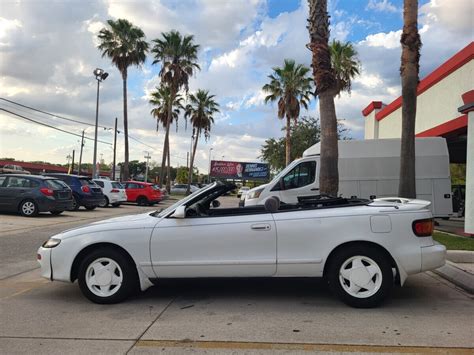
(182, 201)
(87, 182)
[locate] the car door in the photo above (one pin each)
(3, 193)
(132, 191)
(14, 191)
(220, 246)
(298, 182)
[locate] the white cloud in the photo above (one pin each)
(382, 6)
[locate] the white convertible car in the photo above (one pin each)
(360, 247)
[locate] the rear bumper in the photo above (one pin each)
(433, 257)
(91, 201)
(46, 205)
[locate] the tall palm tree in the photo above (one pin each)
(161, 99)
(178, 57)
(125, 45)
(291, 86)
(326, 88)
(409, 70)
(345, 64)
(200, 110)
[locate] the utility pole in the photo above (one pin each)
(187, 160)
(100, 76)
(209, 172)
(72, 164)
(147, 157)
(80, 154)
(68, 157)
(115, 149)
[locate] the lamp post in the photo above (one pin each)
(209, 173)
(100, 75)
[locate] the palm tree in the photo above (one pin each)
(326, 88)
(291, 86)
(161, 99)
(178, 57)
(125, 45)
(200, 110)
(409, 70)
(345, 64)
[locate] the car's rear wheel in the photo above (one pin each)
(107, 276)
(28, 208)
(75, 204)
(361, 276)
(105, 202)
(142, 201)
(56, 213)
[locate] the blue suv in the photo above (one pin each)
(84, 190)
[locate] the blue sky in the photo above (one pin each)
(48, 65)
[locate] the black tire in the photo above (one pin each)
(105, 202)
(115, 204)
(335, 279)
(142, 201)
(28, 208)
(125, 289)
(91, 208)
(56, 213)
(75, 204)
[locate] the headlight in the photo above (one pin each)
(254, 194)
(51, 243)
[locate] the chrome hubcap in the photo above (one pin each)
(360, 276)
(28, 208)
(104, 277)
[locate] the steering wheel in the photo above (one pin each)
(200, 210)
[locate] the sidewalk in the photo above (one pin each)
(459, 269)
(453, 225)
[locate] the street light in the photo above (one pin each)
(100, 75)
(209, 174)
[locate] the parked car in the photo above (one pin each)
(13, 169)
(32, 194)
(360, 247)
(85, 191)
(180, 189)
(114, 192)
(243, 191)
(143, 193)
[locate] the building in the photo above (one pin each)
(445, 108)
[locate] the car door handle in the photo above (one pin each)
(261, 227)
(315, 189)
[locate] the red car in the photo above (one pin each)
(143, 193)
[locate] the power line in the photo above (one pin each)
(156, 150)
(52, 114)
(49, 126)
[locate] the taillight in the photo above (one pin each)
(114, 190)
(423, 227)
(47, 192)
(85, 189)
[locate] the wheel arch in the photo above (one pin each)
(393, 263)
(86, 250)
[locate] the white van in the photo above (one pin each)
(367, 169)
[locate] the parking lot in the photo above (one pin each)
(216, 316)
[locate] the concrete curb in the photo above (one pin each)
(460, 256)
(457, 276)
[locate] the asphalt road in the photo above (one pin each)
(214, 316)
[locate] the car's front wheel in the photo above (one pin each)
(104, 202)
(107, 276)
(361, 276)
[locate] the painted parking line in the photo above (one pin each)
(309, 347)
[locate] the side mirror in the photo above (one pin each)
(180, 212)
(215, 203)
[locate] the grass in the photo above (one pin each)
(454, 243)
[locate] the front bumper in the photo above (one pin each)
(433, 257)
(44, 259)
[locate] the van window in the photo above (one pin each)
(301, 175)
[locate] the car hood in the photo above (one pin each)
(138, 221)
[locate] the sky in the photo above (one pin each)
(48, 51)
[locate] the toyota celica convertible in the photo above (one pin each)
(360, 247)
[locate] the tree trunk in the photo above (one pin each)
(168, 167)
(288, 140)
(191, 162)
(126, 171)
(409, 69)
(163, 159)
(166, 145)
(318, 26)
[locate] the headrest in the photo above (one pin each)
(272, 204)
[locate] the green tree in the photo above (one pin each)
(303, 136)
(291, 86)
(161, 100)
(125, 45)
(345, 64)
(177, 55)
(201, 110)
(409, 70)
